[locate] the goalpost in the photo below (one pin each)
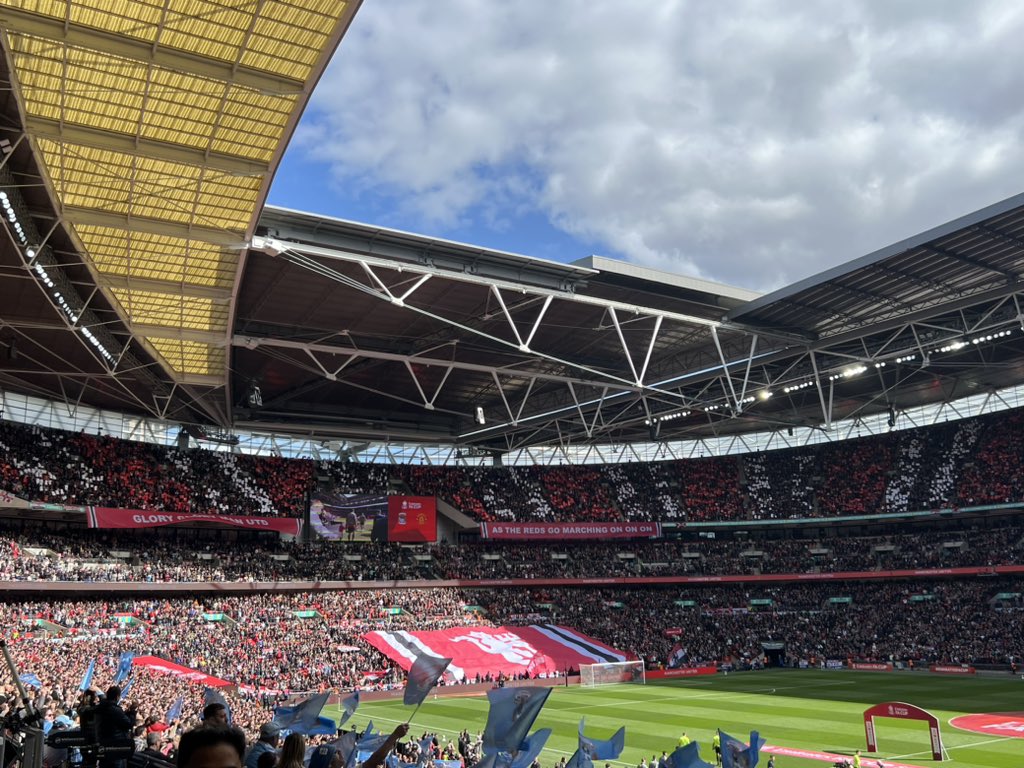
(612, 673)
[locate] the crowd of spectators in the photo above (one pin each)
(71, 468)
(30, 552)
(924, 621)
(269, 643)
(295, 641)
(965, 463)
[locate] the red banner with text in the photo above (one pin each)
(107, 517)
(951, 669)
(657, 674)
(569, 530)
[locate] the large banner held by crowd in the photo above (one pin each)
(635, 530)
(534, 650)
(108, 517)
(165, 667)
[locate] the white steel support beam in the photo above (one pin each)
(253, 342)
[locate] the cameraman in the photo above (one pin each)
(114, 729)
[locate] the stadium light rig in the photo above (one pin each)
(848, 373)
(666, 417)
(32, 254)
(12, 217)
(797, 387)
(982, 338)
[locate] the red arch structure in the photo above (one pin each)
(902, 711)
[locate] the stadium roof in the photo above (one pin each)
(156, 128)
(140, 274)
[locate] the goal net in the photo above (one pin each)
(612, 673)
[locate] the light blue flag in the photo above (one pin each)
(426, 751)
(510, 717)
(324, 726)
(346, 746)
(124, 667)
(30, 678)
(392, 761)
(302, 716)
(349, 706)
(579, 759)
(213, 696)
(422, 677)
(174, 711)
(603, 750)
(688, 757)
(370, 740)
(736, 754)
(531, 748)
(124, 691)
(86, 683)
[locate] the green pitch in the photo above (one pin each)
(813, 710)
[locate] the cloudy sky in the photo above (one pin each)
(752, 143)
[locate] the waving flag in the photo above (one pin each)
(124, 691)
(324, 726)
(86, 683)
(124, 667)
(213, 696)
(349, 706)
(736, 754)
(579, 759)
(603, 750)
(511, 716)
(174, 711)
(370, 741)
(422, 677)
(346, 746)
(531, 748)
(688, 757)
(426, 751)
(303, 716)
(30, 678)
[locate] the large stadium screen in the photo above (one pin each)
(349, 516)
(412, 518)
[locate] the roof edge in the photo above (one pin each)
(915, 241)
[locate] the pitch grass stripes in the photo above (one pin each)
(810, 709)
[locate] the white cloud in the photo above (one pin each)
(749, 142)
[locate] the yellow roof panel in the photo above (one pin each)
(159, 257)
(165, 116)
(123, 96)
(283, 38)
(190, 357)
(188, 312)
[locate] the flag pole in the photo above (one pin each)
(407, 722)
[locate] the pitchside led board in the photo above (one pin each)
(373, 517)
